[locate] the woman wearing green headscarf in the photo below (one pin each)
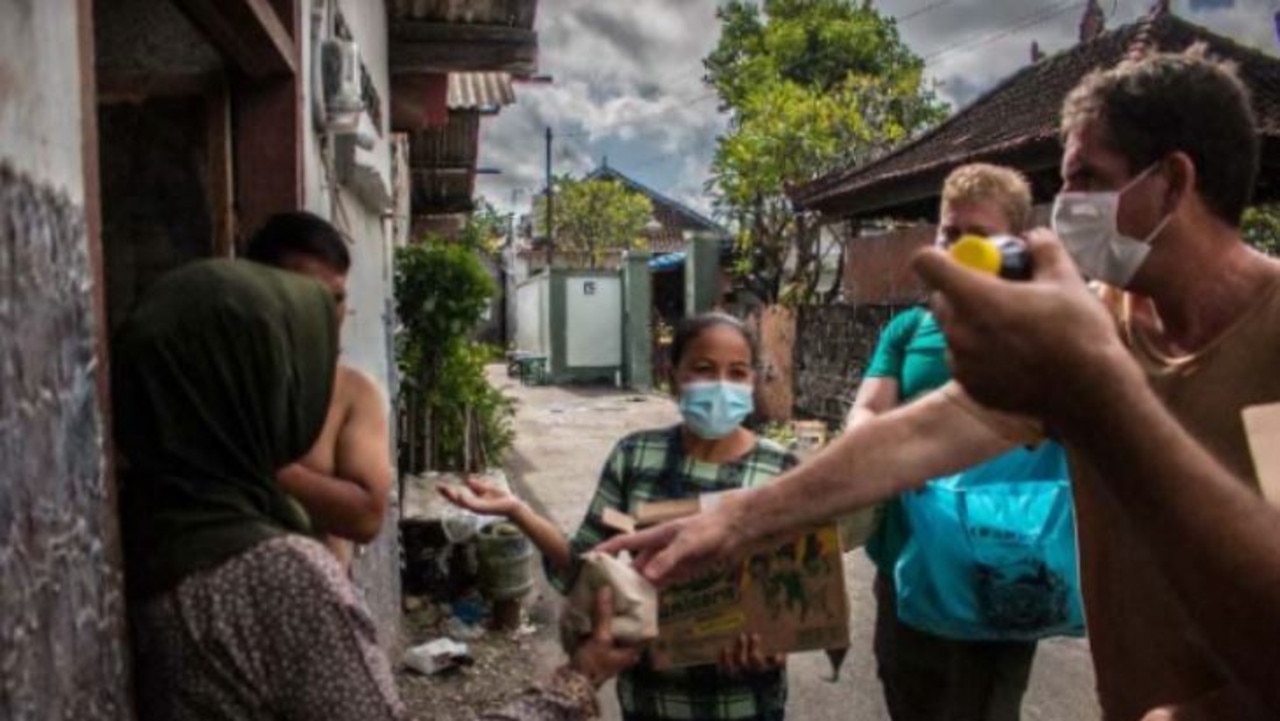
(222, 375)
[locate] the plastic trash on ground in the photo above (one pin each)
(457, 628)
(436, 656)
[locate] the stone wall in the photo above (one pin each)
(833, 345)
(63, 652)
(62, 637)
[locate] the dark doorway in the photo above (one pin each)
(156, 199)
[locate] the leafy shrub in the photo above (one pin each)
(442, 290)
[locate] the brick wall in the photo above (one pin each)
(834, 343)
(877, 268)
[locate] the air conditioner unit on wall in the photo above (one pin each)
(342, 84)
(355, 165)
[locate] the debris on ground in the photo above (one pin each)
(503, 664)
(437, 656)
(459, 629)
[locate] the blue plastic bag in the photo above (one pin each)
(991, 554)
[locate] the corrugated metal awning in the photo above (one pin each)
(480, 91)
(670, 261)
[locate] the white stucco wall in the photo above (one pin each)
(365, 341)
(366, 335)
(593, 321)
(39, 93)
(544, 318)
(530, 316)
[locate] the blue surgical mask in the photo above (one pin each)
(714, 409)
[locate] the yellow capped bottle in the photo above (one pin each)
(1005, 256)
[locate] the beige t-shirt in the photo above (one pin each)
(1145, 650)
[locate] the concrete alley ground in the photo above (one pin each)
(563, 436)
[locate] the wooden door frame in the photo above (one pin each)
(261, 41)
(214, 89)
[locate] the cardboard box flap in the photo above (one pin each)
(656, 512)
(1262, 428)
(617, 521)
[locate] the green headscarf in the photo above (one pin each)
(221, 376)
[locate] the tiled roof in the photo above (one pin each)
(667, 240)
(674, 216)
(1017, 121)
(480, 91)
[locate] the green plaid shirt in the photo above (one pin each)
(652, 466)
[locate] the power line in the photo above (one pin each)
(1027, 21)
(1021, 24)
(682, 76)
(925, 10)
(646, 117)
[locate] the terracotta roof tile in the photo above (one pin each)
(1021, 115)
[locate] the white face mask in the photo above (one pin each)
(1087, 223)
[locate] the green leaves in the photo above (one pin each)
(442, 288)
(594, 216)
(441, 292)
(486, 230)
(813, 86)
(1261, 228)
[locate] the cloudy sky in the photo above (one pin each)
(628, 78)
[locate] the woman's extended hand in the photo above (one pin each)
(482, 498)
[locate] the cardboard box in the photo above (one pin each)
(1262, 428)
(790, 592)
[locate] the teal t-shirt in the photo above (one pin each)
(913, 351)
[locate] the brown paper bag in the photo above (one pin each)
(635, 602)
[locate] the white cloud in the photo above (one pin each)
(627, 84)
(628, 78)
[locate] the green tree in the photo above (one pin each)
(1261, 228)
(812, 86)
(486, 229)
(594, 216)
(442, 288)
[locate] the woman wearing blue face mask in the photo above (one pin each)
(713, 361)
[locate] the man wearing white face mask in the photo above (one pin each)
(1088, 224)
(1161, 156)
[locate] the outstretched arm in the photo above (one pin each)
(876, 396)
(873, 462)
(1213, 537)
(489, 500)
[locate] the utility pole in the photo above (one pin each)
(551, 203)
